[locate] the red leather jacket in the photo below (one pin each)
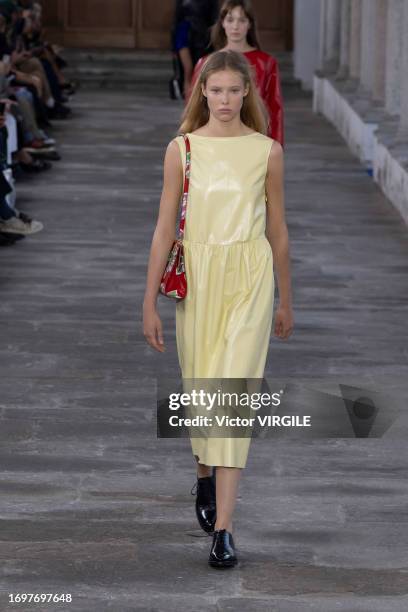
(266, 73)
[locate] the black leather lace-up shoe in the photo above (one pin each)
(223, 550)
(205, 506)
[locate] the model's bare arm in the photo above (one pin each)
(187, 62)
(163, 237)
(277, 234)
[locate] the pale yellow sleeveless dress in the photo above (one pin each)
(223, 326)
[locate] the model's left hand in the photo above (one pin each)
(283, 322)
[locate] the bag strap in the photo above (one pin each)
(186, 187)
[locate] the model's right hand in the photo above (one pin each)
(152, 329)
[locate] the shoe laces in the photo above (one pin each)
(206, 483)
(198, 535)
(25, 218)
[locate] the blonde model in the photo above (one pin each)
(235, 237)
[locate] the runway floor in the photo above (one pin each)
(92, 503)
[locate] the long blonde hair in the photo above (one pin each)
(253, 111)
(218, 36)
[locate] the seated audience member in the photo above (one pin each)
(11, 220)
(33, 91)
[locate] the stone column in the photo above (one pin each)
(380, 50)
(355, 39)
(307, 40)
(394, 56)
(330, 35)
(403, 128)
(345, 15)
(367, 45)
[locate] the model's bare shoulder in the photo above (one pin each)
(173, 161)
(174, 150)
(276, 151)
(275, 160)
(276, 147)
(174, 144)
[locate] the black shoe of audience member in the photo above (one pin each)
(64, 109)
(70, 88)
(24, 217)
(17, 171)
(43, 123)
(9, 239)
(37, 165)
(61, 63)
(51, 155)
(60, 111)
(69, 91)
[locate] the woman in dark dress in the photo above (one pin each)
(190, 36)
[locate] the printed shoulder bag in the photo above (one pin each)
(174, 282)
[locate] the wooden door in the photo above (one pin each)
(275, 24)
(146, 24)
(91, 23)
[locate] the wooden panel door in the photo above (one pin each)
(275, 24)
(100, 22)
(154, 24)
(146, 24)
(91, 23)
(53, 21)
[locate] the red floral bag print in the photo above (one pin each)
(174, 282)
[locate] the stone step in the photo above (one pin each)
(129, 69)
(118, 69)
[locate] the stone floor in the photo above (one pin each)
(92, 503)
